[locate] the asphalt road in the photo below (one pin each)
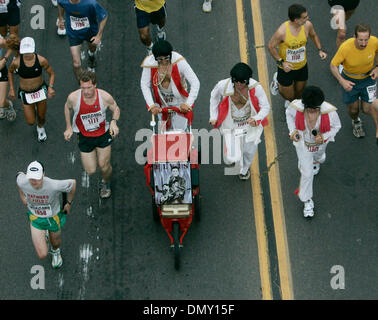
(113, 249)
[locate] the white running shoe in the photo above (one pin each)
(206, 6)
(245, 176)
(42, 136)
(60, 32)
(54, 2)
(57, 260)
(316, 168)
(274, 85)
(308, 210)
(161, 34)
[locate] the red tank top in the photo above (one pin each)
(91, 119)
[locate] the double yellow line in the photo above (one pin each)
(273, 170)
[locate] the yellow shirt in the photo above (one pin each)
(149, 5)
(356, 61)
(293, 49)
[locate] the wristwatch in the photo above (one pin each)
(280, 62)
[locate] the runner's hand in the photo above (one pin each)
(113, 129)
(155, 110)
(287, 66)
(96, 40)
(67, 208)
(11, 94)
(213, 122)
(184, 108)
(347, 85)
(374, 73)
(322, 54)
(68, 134)
(252, 122)
(319, 139)
(50, 93)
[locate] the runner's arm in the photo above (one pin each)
(67, 116)
(315, 39)
(14, 65)
(116, 113)
(45, 64)
(70, 197)
(193, 80)
(273, 43)
(215, 98)
(374, 72)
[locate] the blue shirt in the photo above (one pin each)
(83, 18)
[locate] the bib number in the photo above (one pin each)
(372, 92)
(295, 56)
(92, 121)
(35, 97)
(79, 23)
(313, 148)
(3, 6)
(43, 210)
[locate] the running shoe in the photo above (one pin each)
(274, 85)
(91, 61)
(308, 210)
(3, 113)
(105, 191)
(316, 168)
(245, 176)
(206, 6)
(161, 34)
(42, 136)
(358, 131)
(57, 260)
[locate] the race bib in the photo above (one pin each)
(3, 6)
(79, 23)
(92, 121)
(41, 210)
(240, 132)
(35, 97)
(372, 92)
(295, 56)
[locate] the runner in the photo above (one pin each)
(33, 90)
(40, 195)
(9, 17)
(95, 134)
(312, 124)
(291, 38)
(85, 21)
(239, 107)
(158, 71)
(342, 10)
(206, 6)
(359, 56)
(147, 12)
(6, 47)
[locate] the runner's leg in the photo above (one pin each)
(39, 242)
(89, 161)
(103, 156)
(29, 113)
(76, 59)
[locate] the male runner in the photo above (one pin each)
(291, 38)
(85, 21)
(95, 134)
(40, 195)
(359, 56)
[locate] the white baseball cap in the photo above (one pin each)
(27, 45)
(34, 171)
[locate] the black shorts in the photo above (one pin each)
(4, 74)
(88, 144)
(346, 4)
(11, 18)
(144, 18)
(286, 79)
(21, 93)
(77, 41)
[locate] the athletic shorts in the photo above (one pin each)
(286, 79)
(88, 144)
(11, 18)
(366, 89)
(144, 18)
(76, 41)
(346, 4)
(21, 93)
(4, 74)
(53, 224)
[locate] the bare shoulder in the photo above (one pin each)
(309, 26)
(106, 96)
(73, 96)
(281, 31)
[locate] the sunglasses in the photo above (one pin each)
(246, 81)
(160, 59)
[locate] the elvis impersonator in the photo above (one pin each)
(239, 107)
(312, 124)
(159, 91)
